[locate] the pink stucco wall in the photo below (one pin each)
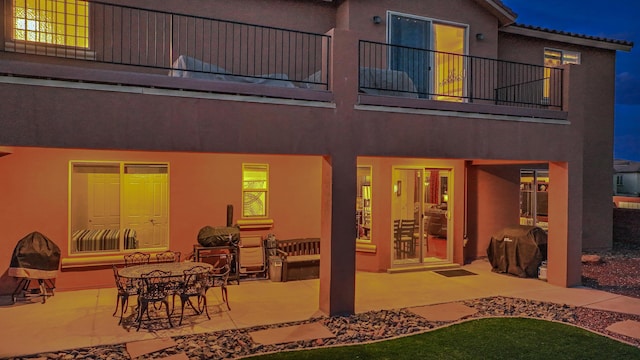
(592, 115)
(493, 204)
(35, 182)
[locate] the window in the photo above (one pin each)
(440, 72)
(117, 206)
(56, 22)
(363, 203)
(534, 186)
(255, 190)
(555, 58)
(619, 180)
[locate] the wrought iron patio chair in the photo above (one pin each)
(195, 284)
(157, 286)
(136, 258)
(219, 276)
(126, 288)
(168, 256)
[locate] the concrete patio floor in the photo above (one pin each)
(75, 319)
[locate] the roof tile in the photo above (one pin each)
(560, 32)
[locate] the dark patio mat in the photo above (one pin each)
(453, 273)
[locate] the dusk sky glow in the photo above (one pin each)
(613, 19)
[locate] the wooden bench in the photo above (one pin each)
(300, 258)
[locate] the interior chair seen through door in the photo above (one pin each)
(407, 237)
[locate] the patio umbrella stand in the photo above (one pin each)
(35, 257)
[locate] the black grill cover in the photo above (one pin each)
(518, 250)
(210, 236)
(35, 256)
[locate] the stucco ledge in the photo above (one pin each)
(366, 247)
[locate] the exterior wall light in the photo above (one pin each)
(480, 36)
(377, 20)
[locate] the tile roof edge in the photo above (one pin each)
(566, 33)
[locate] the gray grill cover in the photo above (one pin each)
(518, 250)
(35, 256)
(210, 236)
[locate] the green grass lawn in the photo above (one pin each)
(493, 338)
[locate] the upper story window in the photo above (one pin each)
(438, 72)
(255, 189)
(56, 22)
(555, 58)
(115, 207)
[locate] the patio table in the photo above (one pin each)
(175, 268)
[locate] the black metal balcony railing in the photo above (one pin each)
(204, 47)
(193, 46)
(412, 72)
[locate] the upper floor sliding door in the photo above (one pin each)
(431, 53)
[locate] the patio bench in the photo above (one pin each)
(300, 258)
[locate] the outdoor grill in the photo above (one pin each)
(518, 250)
(35, 257)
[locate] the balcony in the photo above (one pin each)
(127, 44)
(415, 73)
(135, 46)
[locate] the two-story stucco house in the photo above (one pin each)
(154, 116)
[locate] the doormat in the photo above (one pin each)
(453, 273)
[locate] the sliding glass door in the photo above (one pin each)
(430, 53)
(420, 214)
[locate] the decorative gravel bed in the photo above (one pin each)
(618, 272)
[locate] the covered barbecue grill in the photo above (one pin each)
(35, 257)
(518, 250)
